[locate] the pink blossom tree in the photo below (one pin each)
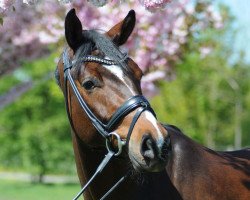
(156, 44)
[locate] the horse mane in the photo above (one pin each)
(172, 127)
(94, 40)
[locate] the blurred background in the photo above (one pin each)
(195, 55)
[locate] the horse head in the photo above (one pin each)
(108, 82)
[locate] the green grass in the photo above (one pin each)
(17, 190)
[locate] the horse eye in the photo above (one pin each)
(88, 85)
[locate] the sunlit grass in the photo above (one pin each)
(17, 190)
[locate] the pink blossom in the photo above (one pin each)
(218, 23)
(99, 3)
(155, 43)
(65, 1)
(5, 4)
(30, 1)
(152, 5)
(154, 76)
(149, 89)
(205, 51)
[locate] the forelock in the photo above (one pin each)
(94, 39)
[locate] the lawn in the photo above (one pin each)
(17, 190)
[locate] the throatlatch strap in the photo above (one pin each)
(104, 162)
(114, 186)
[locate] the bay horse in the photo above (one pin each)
(105, 105)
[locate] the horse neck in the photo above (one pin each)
(87, 161)
(199, 172)
(188, 163)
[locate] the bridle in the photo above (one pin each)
(138, 102)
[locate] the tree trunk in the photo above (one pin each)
(238, 130)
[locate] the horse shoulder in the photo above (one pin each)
(201, 173)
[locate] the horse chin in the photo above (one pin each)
(141, 166)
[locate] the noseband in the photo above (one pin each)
(138, 102)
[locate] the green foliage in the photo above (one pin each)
(209, 99)
(7, 82)
(35, 132)
(1, 20)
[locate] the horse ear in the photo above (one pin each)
(73, 30)
(121, 31)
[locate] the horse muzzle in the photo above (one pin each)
(152, 155)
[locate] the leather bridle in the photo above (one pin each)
(138, 102)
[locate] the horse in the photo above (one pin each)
(109, 115)
(105, 106)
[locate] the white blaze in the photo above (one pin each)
(151, 118)
(118, 72)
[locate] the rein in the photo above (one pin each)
(138, 102)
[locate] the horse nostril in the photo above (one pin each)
(148, 148)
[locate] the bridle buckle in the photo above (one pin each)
(120, 143)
